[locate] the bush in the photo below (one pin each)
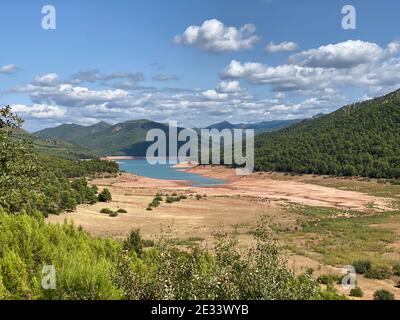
(106, 211)
(198, 197)
(122, 211)
(113, 214)
(105, 196)
(357, 292)
(383, 295)
(379, 273)
(396, 269)
(328, 279)
(134, 242)
(362, 266)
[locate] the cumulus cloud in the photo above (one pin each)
(285, 46)
(214, 36)
(281, 78)
(350, 63)
(39, 111)
(45, 80)
(343, 55)
(8, 69)
(229, 86)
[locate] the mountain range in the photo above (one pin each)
(129, 138)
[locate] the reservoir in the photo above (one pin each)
(165, 172)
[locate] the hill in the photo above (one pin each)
(53, 146)
(127, 138)
(358, 139)
(71, 132)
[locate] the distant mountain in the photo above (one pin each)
(54, 147)
(127, 138)
(223, 125)
(259, 127)
(71, 132)
(358, 139)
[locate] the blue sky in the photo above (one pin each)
(122, 60)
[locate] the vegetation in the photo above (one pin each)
(106, 211)
(362, 266)
(359, 139)
(29, 181)
(89, 268)
(105, 195)
(356, 292)
(383, 295)
(120, 210)
(380, 273)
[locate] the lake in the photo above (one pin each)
(165, 172)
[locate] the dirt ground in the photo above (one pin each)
(240, 202)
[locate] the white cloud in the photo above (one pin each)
(281, 78)
(347, 64)
(8, 69)
(285, 46)
(229, 86)
(214, 36)
(39, 111)
(343, 55)
(45, 80)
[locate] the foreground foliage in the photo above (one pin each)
(90, 268)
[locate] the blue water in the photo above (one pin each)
(165, 172)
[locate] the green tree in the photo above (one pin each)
(105, 196)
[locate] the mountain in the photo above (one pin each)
(71, 132)
(259, 127)
(358, 139)
(127, 138)
(54, 147)
(223, 125)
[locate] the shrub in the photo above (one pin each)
(105, 196)
(113, 214)
(198, 197)
(106, 211)
(383, 295)
(396, 269)
(357, 292)
(134, 242)
(362, 266)
(122, 211)
(379, 273)
(328, 279)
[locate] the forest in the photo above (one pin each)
(361, 139)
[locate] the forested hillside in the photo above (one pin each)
(128, 138)
(359, 139)
(54, 146)
(30, 181)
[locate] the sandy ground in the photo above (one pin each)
(240, 202)
(262, 185)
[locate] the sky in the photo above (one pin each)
(194, 62)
